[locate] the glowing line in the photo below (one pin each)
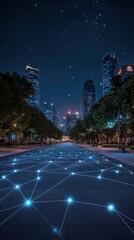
(88, 203)
(64, 217)
(18, 189)
(34, 189)
(52, 187)
(5, 189)
(49, 201)
(28, 182)
(125, 216)
(11, 215)
(6, 195)
(43, 217)
(6, 209)
(124, 222)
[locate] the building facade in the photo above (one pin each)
(71, 120)
(109, 69)
(51, 113)
(88, 98)
(32, 76)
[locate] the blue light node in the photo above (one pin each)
(72, 173)
(80, 161)
(50, 161)
(65, 168)
(38, 178)
(117, 171)
(15, 170)
(131, 172)
(102, 170)
(110, 207)
(99, 177)
(15, 160)
(13, 164)
(28, 203)
(69, 200)
(3, 177)
(90, 157)
(55, 230)
(17, 186)
(120, 165)
(38, 171)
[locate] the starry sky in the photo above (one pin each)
(66, 40)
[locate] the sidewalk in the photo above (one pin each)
(114, 153)
(9, 151)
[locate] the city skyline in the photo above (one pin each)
(66, 41)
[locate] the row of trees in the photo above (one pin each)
(111, 120)
(19, 119)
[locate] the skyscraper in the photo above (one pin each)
(88, 97)
(51, 113)
(32, 75)
(71, 120)
(109, 67)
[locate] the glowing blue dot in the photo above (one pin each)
(117, 171)
(120, 165)
(38, 178)
(38, 171)
(55, 230)
(17, 186)
(110, 207)
(50, 161)
(69, 200)
(3, 177)
(13, 164)
(131, 172)
(72, 173)
(65, 168)
(28, 203)
(90, 157)
(99, 177)
(15, 160)
(102, 170)
(15, 170)
(79, 160)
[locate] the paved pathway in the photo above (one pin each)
(66, 192)
(114, 153)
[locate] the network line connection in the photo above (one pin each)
(68, 189)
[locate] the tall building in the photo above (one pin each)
(51, 113)
(109, 68)
(126, 70)
(71, 120)
(88, 97)
(63, 125)
(32, 75)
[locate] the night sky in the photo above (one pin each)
(66, 40)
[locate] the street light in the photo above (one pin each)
(15, 125)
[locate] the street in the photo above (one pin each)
(65, 191)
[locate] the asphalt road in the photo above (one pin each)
(66, 192)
